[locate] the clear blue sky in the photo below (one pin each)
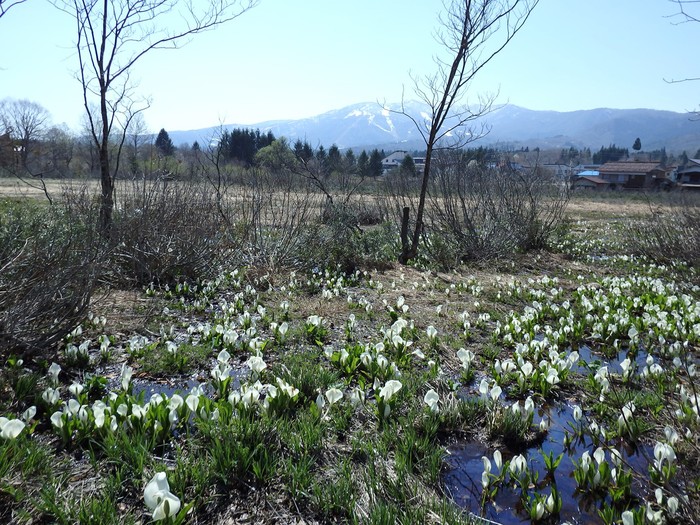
(292, 59)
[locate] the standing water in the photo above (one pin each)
(465, 467)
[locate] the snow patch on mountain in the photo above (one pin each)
(370, 124)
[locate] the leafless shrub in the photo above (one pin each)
(349, 238)
(671, 231)
(398, 193)
(475, 211)
(169, 231)
(279, 216)
(366, 210)
(272, 210)
(49, 265)
(288, 221)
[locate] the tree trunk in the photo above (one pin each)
(106, 179)
(107, 195)
(405, 247)
(409, 251)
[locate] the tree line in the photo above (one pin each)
(30, 146)
(613, 153)
(251, 147)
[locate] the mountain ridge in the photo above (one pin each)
(368, 125)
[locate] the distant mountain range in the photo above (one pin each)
(368, 125)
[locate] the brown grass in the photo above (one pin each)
(608, 206)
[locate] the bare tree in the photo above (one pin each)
(6, 5)
(688, 11)
(137, 136)
(217, 171)
(473, 32)
(22, 126)
(112, 36)
(60, 149)
(25, 121)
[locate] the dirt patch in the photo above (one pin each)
(126, 311)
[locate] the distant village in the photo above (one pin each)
(636, 173)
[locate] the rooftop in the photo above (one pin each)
(628, 167)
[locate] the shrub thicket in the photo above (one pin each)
(165, 232)
(478, 212)
(671, 230)
(49, 265)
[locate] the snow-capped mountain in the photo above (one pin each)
(363, 124)
(369, 124)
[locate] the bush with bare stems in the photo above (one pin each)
(168, 231)
(290, 214)
(671, 230)
(279, 217)
(478, 211)
(49, 264)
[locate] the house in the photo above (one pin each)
(420, 164)
(395, 159)
(688, 177)
(586, 167)
(632, 175)
(666, 178)
(590, 182)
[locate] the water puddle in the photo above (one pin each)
(181, 386)
(463, 477)
(167, 388)
(588, 357)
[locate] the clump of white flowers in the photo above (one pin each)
(159, 499)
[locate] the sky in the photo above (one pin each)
(291, 59)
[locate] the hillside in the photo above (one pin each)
(369, 125)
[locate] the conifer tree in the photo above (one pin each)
(350, 161)
(375, 163)
(408, 166)
(363, 164)
(334, 159)
(163, 143)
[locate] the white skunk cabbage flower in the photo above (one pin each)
(125, 376)
(389, 389)
(333, 395)
(11, 428)
(159, 499)
(256, 364)
(432, 399)
(53, 371)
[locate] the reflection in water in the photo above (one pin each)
(149, 388)
(589, 357)
(463, 477)
(180, 386)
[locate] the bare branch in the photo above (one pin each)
(686, 16)
(6, 5)
(679, 80)
(683, 11)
